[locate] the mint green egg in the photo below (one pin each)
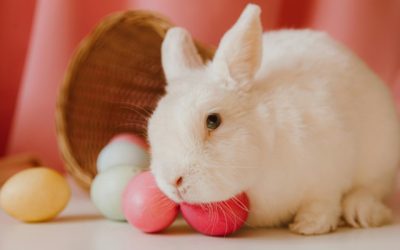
(107, 189)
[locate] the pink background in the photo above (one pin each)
(38, 37)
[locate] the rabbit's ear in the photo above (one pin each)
(239, 53)
(179, 54)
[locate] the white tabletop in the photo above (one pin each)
(80, 226)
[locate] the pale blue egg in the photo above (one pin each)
(122, 153)
(107, 189)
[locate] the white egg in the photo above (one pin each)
(122, 153)
(107, 189)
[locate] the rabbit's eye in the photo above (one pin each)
(213, 121)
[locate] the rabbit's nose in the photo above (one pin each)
(178, 181)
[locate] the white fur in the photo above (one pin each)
(308, 131)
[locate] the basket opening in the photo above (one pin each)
(115, 88)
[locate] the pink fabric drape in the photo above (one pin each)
(38, 38)
(15, 25)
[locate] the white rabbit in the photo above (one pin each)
(290, 117)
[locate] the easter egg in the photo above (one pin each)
(146, 207)
(122, 153)
(107, 188)
(217, 218)
(131, 138)
(34, 195)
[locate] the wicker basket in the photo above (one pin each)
(111, 86)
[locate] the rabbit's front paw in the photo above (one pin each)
(316, 217)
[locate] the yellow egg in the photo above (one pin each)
(34, 195)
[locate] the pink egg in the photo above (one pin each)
(131, 138)
(218, 218)
(145, 206)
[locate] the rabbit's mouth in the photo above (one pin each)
(180, 195)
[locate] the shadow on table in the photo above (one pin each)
(77, 218)
(179, 228)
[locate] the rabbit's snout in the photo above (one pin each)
(179, 188)
(178, 181)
